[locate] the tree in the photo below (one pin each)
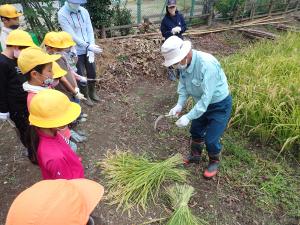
(101, 14)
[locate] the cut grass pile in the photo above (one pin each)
(272, 184)
(133, 180)
(264, 81)
(179, 197)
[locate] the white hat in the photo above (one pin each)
(174, 50)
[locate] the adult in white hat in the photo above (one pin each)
(202, 78)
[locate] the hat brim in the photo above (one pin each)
(57, 71)
(15, 16)
(185, 49)
(67, 117)
(171, 5)
(91, 191)
(47, 59)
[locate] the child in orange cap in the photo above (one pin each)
(51, 111)
(54, 202)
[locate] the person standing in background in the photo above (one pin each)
(76, 20)
(172, 24)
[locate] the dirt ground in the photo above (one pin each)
(124, 120)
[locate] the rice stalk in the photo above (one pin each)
(179, 197)
(134, 180)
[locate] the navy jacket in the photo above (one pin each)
(169, 22)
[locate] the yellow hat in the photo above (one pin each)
(55, 40)
(57, 71)
(50, 108)
(19, 38)
(52, 202)
(32, 57)
(9, 11)
(67, 39)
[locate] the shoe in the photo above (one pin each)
(82, 119)
(82, 133)
(84, 91)
(73, 146)
(213, 166)
(92, 92)
(84, 115)
(195, 155)
(77, 137)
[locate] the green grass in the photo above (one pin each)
(273, 184)
(265, 83)
(134, 180)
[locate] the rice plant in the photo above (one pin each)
(135, 180)
(179, 197)
(265, 83)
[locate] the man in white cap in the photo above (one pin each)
(202, 78)
(75, 19)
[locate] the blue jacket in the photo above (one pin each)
(169, 22)
(79, 25)
(205, 81)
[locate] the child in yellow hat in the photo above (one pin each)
(12, 96)
(55, 44)
(10, 19)
(51, 111)
(41, 71)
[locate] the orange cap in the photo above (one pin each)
(55, 202)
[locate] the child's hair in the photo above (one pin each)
(32, 143)
(38, 68)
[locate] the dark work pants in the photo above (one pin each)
(211, 125)
(84, 67)
(20, 118)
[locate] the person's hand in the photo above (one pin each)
(78, 95)
(4, 116)
(183, 121)
(175, 111)
(95, 48)
(83, 79)
(176, 30)
(91, 56)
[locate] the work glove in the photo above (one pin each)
(78, 95)
(183, 121)
(4, 116)
(176, 30)
(83, 79)
(175, 111)
(91, 56)
(95, 48)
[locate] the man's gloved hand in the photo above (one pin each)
(4, 116)
(175, 111)
(83, 79)
(78, 95)
(91, 56)
(95, 48)
(183, 121)
(176, 30)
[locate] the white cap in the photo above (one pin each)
(174, 50)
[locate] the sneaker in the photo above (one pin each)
(84, 115)
(77, 137)
(73, 146)
(212, 168)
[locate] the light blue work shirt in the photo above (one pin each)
(205, 81)
(79, 25)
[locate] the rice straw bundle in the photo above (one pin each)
(134, 180)
(179, 197)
